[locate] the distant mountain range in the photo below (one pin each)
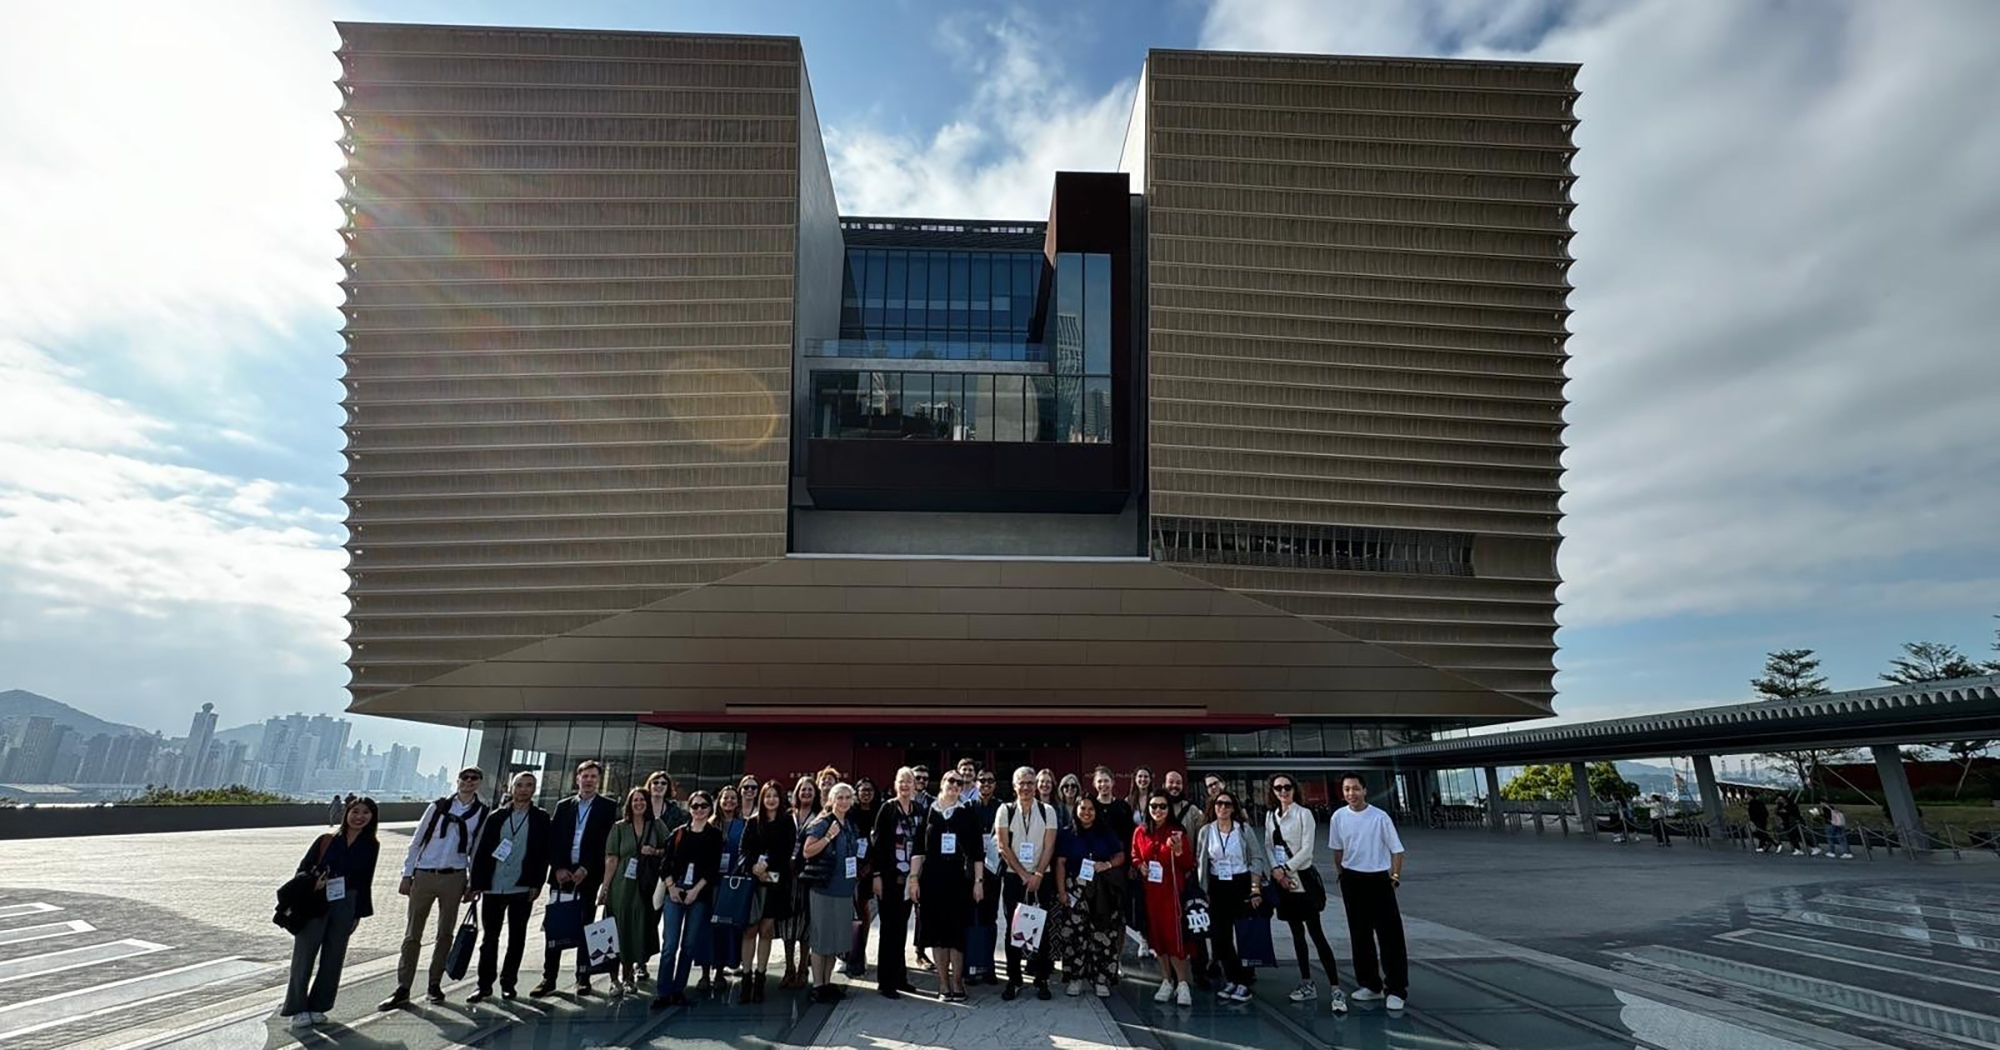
(19, 705)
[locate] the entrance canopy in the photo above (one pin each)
(1959, 709)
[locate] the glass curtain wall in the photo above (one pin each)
(630, 751)
(939, 295)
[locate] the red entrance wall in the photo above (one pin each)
(787, 753)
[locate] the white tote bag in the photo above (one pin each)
(1025, 932)
(600, 942)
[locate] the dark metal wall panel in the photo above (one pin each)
(571, 262)
(1357, 305)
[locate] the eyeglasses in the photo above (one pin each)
(475, 778)
(953, 782)
(698, 806)
(1225, 804)
(986, 780)
(1157, 805)
(1281, 787)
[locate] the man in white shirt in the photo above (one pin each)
(1024, 834)
(1368, 861)
(434, 872)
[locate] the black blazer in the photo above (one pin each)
(596, 832)
(534, 866)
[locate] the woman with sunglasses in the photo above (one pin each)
(1163, 861)
(631, 869)
(1068, 792)
(1227, 862)
(722, 949)
(1289, 832)
(767, 852)
(693, 863)
(947, 880)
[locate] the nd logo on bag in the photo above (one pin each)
(1197, 918)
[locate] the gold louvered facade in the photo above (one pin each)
(569, 329)
(1357, 292)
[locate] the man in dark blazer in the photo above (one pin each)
(577, 835)
(507, 878)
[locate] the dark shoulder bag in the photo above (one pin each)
(1306, 902)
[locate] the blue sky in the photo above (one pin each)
(1785, 419)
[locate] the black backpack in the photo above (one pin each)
(299, 899)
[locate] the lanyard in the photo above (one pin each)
(514, 824)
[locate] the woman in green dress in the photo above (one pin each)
(631, 868)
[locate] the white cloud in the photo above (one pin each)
(1784, 391)
(998, 156)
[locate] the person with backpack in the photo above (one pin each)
(1024, 835)
(434, 876)
(1290, 833)
(339, 868)
(508, 867)
(1760, 819)
(1836, 832)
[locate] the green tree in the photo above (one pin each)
(1993, 666)
(1929, 662)
(233, 795)
(1793, 674)
(1545, 783)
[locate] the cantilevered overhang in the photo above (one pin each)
(1959, 709)
(886, 639)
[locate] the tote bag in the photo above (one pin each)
(460, 959)
(1025, 932)
(733, 897)
(600, 942)
(562, 920)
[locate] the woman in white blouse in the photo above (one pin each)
(1289, 832)
(1226, 862)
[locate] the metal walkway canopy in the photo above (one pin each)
(1958, 709)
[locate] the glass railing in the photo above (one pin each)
(927, 350)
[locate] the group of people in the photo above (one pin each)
(1051, 876)
(1792, 832)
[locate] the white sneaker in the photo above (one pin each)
(1760, 849)
(1815, 851)
(1847, 856)
(1363, 995)
(318, 1018)
(1182, 998)
(1337, 1003)
(1165, 993)
(1073, 989)
(1305, 992)
(1103, 990)
(1395, 1002)
(301, 1022)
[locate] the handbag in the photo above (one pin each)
(1025, 931)
(1253, 942)
(734, 895)
(1195, 919)
(460, 958)
(814, 871)
(1305, 902)
(299, 898)
(600, 943)
(562, 920)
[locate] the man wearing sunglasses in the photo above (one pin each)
(434, 876)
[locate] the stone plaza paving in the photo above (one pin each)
(131, 942)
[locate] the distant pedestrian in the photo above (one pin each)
(434, 877)
(1836, 831)
(343, 862)
(1791, 826)
(1625, 821)
(1659, 810)
(334, 809)
(1368, 860)
(508, 868)
(1760, 822)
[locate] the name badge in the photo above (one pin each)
(948, 843)
(1155, 873)
(632, 868)
(688, 881)
(504, 850)
(1088, 871)
(1283, 855)
(1026, 852)
(853, 867)
(336, 889)
(726, 858)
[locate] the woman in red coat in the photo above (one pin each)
(1161, 857)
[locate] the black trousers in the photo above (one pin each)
(1228, 901)
(892, 962)
(514, 908)
(552, 957)
(1660, 830)
(1013, 891)
(1374, 920)
(1301, 930)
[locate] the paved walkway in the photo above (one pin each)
(164, 941)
